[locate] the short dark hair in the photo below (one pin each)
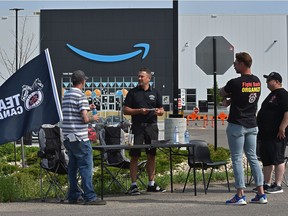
(245, 58)
(78, 76)
(147, 70)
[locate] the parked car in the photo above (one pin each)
(116, 121)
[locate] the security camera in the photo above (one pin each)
(186, 44)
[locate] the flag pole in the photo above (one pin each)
(16, 68)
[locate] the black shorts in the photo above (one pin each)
(272, 151)
(143, 134)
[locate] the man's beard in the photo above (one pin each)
(140, 83)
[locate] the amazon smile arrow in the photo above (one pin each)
(112, 58)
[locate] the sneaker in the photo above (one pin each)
(274, 189)
(133, 190)
(265, 187)
(95, 202)
(262, 199)
(155, 188)
(236, 200)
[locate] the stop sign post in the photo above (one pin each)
(214, 55)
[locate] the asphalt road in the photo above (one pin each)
(168, 204)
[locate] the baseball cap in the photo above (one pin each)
(78, 76)
(274, 76)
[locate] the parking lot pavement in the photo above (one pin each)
(168, 204)
(198, 132)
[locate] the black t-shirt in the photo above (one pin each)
(245, 92)
(139, 98)
(271, 113)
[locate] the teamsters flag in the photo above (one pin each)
(29, 99)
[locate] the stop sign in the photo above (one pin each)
(214, 54)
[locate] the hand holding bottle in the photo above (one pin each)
(94, 112)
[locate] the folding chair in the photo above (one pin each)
(203, 161)
(116, 157)
(54, 160)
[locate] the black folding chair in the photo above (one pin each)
(53, 162)
(116, 157)
(203, 161)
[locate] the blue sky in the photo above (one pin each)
(185, 6)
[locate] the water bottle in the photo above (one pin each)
(176, 135)
(186, 136)
(94, 111)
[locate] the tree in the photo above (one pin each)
(25, 51)
(218, 97)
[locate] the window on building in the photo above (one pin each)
(104, 90)
(210, 98)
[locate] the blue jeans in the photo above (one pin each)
(241, 138)
(80, 159)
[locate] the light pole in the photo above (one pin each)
(16, 68)
(16, 44)
(175, 62)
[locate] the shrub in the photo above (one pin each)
(19, 186)
(221, 154)
(6, 169)
(31, 155)
(6, 151)
(8, 189)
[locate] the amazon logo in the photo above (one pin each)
(143, 48)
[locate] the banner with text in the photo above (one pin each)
(29, 99)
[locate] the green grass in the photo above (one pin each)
(19, 184)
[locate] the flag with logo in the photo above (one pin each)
(29, 99)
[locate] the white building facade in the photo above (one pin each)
(264, 37)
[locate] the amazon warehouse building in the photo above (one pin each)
(111, 45)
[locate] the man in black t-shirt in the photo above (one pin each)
(144, 104)
(242, 94)
(272, 137)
